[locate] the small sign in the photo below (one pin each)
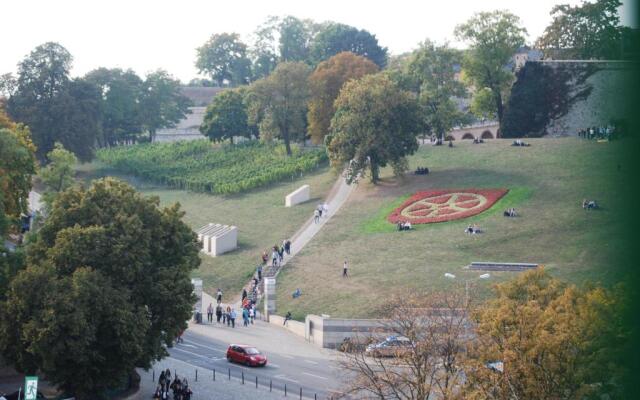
(30, 387)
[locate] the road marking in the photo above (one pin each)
(286, 356)
(273, 365)
(188, 345)
(206, 347)
(284, 378)
(195, 354)
(311, 362)
(316, 376)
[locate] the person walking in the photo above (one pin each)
(233, 316)
(345, 268)
(259, 271)
(219, 296)
(287, 246)
(244, 293)
(245, 316)
(325, 210)
(228, 315)
(218, 313)
(210, 313)
(287, 318)
(316, 216)
(252, 313)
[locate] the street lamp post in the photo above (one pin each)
(466, 284)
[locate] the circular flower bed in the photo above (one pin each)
(445, 205)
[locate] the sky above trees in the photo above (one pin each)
(146, 35)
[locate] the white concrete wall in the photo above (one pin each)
(226, 242)
(298, 196)
(295, 327)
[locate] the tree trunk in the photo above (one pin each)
(285, 137)
(375, 172)
(499, 106)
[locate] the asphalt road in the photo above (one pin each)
(315, 375)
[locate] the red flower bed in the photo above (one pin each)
(445, 205)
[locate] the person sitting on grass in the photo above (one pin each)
(469, 230)
(511, 212)
(296, 293)
(406, 226)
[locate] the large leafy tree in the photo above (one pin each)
(325, 84)
(264, 49)
(585, 31)
(59, 174)
(226, 117)
(120, 104)
(375, 124)
(432, 69)
(547, 340)
(224, 58)
(493, 38)
(162, 104)
(335, 38)
(278, 103)
(295, 38)
(106, 289)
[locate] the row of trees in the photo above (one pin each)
(537, 338)
(229, 61)
(104, 108)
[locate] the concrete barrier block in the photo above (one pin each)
(302, 194)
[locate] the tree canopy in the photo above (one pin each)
(278, 103)
(325, 84)
(226, 117)
(107, 287)
(335, 38)
(58, 175)
(585, 31)
(375, 124)
(224, 58)
(493, 39)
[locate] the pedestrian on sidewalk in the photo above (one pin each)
(287, 318)
(219, 296)
(259, 272)
(325, 210)
(274, 258)
(287, 246)
(281, 253)
(245, 316)
(210, 313)
(265, 258)
(252, 313)
(218, 313)
(345, 268)
(244, 294)
(316, 216)
(233, 316)
(228, 315)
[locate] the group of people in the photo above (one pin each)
(179, 387)
(404, 226)
(520, 143)
(510, 212)
(321, 209)
(422, 171)
(598, 133)
(589, 204)
(277, 255)
(478, 140)
(472, 229)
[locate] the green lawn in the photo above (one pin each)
(259, 214)
(547, 183)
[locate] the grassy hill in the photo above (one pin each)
(546, 183)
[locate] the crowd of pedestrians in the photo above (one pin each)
(321, 209)
(608, 132)
(178, 387)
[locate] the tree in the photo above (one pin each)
(494, 37)
(107, 287)
(58, 175)
(430, 365)
(432, 69)
(295, 38)
(226, 117)
(120, 104)
(586, 31)
(335, 38)
(325, 84)
(8, 85)
(42, 75)
(224, 58)
(278, 103)
(162, 105)
(375, 123)
(540, 338)
(264, 52)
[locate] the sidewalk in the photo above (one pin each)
(205, 388)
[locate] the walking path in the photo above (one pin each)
(336, 198)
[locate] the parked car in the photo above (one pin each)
(393, 346)
(247, 355)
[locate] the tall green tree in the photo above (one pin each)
(589, 30)
(295, 38)
(432, 68)
(106, 290)
(375, 124)
(334, 38)
(59, 174)
(493, 39)
(226, 117)
(325, 83)
(224, 58)
(120, 104)
(162, 104)
(278, 103)
(264, 49)
(548, 340)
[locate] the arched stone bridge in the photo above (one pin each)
(485, 131)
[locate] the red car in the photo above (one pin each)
(247, 355)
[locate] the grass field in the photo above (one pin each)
(547, 183)
(259, 214)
